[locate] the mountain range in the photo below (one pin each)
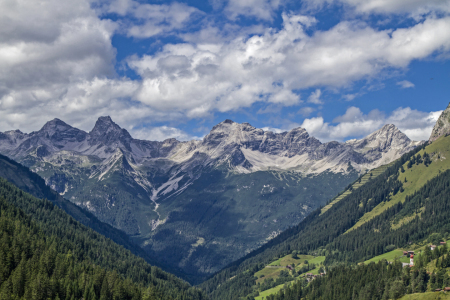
(360, 245)
(198, 205)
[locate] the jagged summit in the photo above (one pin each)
(442, 125)
(387, 137)
(107, 132)
(55, 125)
(104, 125)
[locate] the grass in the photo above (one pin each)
(389, 256)
(416, 177)
(271, 291)
(427, 296)
(288, 260)
(355, 185)
(271, 272)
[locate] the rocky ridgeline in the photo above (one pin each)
(442, 126)
(241, 147)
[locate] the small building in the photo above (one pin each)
(437, 290)
(447, 289)
(405, 253)
(410, 252)
(432, 247)
(406, 265)
(443, 243)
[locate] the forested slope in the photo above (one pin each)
(32, 183)
(45, 253)
(430, 209)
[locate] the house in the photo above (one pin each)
(447, 289)
(437, 290)
(405, 253)
(410, 252)
(443, 243)
(432, 247)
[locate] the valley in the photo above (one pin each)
(235, 190)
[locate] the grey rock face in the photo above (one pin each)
(442, 126)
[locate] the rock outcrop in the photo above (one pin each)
(442, 126)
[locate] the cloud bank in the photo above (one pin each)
(61, 61)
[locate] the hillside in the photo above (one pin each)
(170, 196)
(47, 254)
(384, 212)
(33, 184)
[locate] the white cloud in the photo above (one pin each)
(412, 7)
(60, 63)
(161, 133)
(415, 124)
(260, 9)
(315, 97)
(197, 79)
(273, 129)
(405, 84)
(147, 20)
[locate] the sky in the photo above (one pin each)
(162, 69)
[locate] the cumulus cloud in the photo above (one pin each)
(315, 97)
(225, 76)
(413, 7)
(405, 84)
(415, 124)
(161, 133)
(60, 62)
(147, 20)
(260, 9)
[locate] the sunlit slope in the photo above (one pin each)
(355, 185)
(416, 176)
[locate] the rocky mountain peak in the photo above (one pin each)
(106, 131)
(385, 138)
(55, 125)
(442, 125)
(104, 125)
(60, 132)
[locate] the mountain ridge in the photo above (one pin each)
(169, 195)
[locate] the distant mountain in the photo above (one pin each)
(199, 204)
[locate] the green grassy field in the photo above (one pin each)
(271, 291)
(390, 256)
(427, 296)
(355, 185)
(271, 271)
(416, 177)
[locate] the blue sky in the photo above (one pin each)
(339, 68)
